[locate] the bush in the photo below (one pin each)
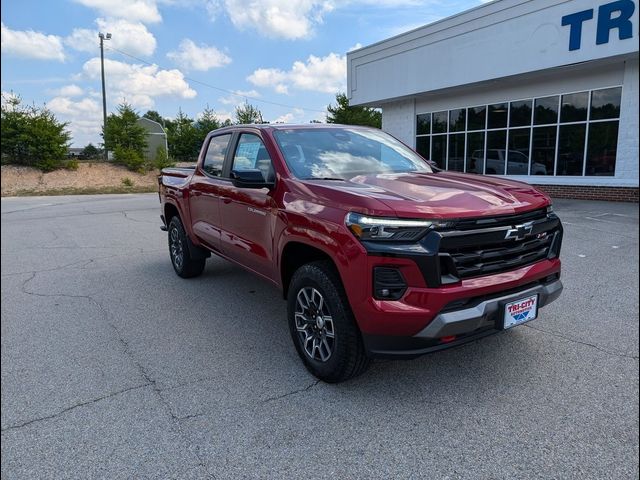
(48, 165)
(32, 135)
(72, 164)
(127, 182)
(124, 132)
(162, 160)
(130, 158)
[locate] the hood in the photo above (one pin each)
(437, 195)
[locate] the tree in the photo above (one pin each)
(183, 138)
(155, 116)
(348, 115)
(162, 160)
(247, 113)
(207, 122)
(125, 137)
(90, 151)
(32, 135)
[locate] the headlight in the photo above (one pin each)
(387, 229)
(549, 209)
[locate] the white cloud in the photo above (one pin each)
(239, 96)
(31, 44)
(72, 90)
(198, 57)
(133, 10)
(289, 19)
(138, 84)
(320, 74)
(130, 36)
(295, 116)
(293, 19)
(84, 117)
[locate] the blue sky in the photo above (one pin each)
(168, 54)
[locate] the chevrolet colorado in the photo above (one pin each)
(378, 253)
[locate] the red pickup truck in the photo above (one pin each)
(377, 252)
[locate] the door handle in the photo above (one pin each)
(226, 200)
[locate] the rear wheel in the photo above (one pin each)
(181, 259)
(322, 326)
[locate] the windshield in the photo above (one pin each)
(343, 153)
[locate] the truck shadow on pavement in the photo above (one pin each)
(242, 322)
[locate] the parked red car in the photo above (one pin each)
(377, 252)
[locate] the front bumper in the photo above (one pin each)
(479, 317)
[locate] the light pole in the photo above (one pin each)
(102, 38)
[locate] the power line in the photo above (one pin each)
(193, 80)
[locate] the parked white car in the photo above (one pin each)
(518, 163)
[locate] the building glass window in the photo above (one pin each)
(475, 152)
(477, 118)
(439, 150)
(423, 124)
(601, 149)
(423, 146)
(605, 103)
(571, 149)
(520, 114)
(498, 115)
(518, 153)
(496, 152)
(574, 107)
(456, 152)
(543, 150)
(458, 120)
(572, 134)
(546, 110)
(439, 120)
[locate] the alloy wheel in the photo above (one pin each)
(314, 324)
(175, 244)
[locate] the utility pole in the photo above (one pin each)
(102, 38)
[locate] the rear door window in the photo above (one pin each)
(216, 151)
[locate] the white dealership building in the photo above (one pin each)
(541, 91)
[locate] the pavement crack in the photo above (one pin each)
(146, 376)
(54, 269)
(124, 213)
(23, 289)
(293, 392)
(73, 407)
(579, 342)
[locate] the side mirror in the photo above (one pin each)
(249, 178)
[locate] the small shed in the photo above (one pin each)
(156, 137)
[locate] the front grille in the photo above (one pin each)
(473, 261)
(486, 251)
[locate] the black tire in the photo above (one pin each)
(181, 259)
(347, 356)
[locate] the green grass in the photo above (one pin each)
(82, 191)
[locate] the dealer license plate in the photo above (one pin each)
(520, 311)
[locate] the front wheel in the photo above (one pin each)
(183, 263)
(322, 326)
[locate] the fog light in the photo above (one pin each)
(388, 283)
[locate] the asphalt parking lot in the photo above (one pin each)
(113, 367)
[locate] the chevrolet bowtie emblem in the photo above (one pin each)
(519, 232)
